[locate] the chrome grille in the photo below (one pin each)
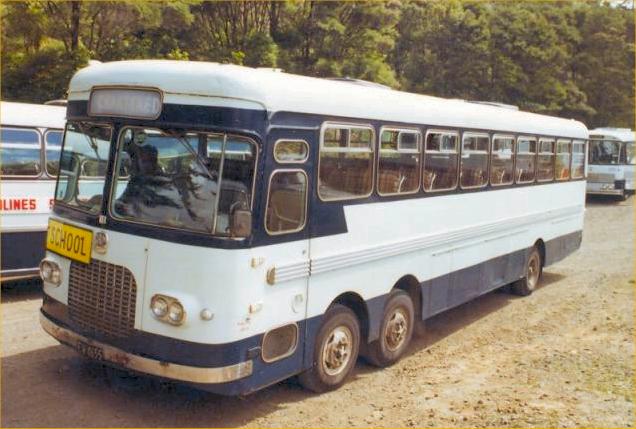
(101, 298)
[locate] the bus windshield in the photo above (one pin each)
(607, 152)
(185, 180)
(83, 163)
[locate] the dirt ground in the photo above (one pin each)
(563, 356)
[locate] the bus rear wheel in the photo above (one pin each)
(396, 331)
(335, 351)
(532, 274)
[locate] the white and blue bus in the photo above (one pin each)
(254, 225)
(30, 141)
(612, 162)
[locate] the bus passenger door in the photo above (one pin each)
(285, 218)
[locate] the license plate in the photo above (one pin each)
(90, 351)
(70, 241)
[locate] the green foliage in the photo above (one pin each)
(573, 59)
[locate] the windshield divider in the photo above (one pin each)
(219, 184)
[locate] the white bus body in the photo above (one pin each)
(320, 226)
(30, 141)
(611, 162)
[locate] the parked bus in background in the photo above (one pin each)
(30, 141)
(612, 162)
(253, 225)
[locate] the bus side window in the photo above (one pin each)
(562, 164)
(20, 152)
(578, 159)
(526, 155)
(501, 161)
(291, 151)
(53, 145)
(545, 168)
(345, 163)
(399, 162)
(474, 160)
(440, 161)
(286, 210)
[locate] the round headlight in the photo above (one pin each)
(50, 272)
(45, 270)
(159, 307)
(176, 313)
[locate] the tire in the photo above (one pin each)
(335, 351)
(396, 331)
(532, 274)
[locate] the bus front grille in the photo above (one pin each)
(101, 298)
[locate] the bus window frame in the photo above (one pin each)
(513, 157)
(536, 159)
(552, 154)
(301, 161)
(113, 180)
(41, 149)
(44, 143)
(419, 152)
(345, 126)
(487, 152)
(269, 188)
(457, 153)
(584, 144)
(556, 154)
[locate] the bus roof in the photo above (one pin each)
(32, 115)
(201, 83)
(622, 134)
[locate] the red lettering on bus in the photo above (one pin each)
(18, 204)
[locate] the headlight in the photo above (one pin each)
(50, 272)
(176, 313)
(167, 309)
(159, 306)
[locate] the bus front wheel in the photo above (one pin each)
(532, 274)
(335, 351)
(396, 331)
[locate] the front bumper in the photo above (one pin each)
(603, 188)
(120, 358)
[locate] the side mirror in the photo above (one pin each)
(241, 223)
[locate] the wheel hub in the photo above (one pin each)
(533, 272)
(396, 330)
(337, 350)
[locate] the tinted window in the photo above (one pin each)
(286, 203)
(501, 163)
(346, 163)
(545, 160)
(562, 162)
(399, 162)
(526, 159)
(440, 161)
(474, 161)
(20, 152)
(53, 141)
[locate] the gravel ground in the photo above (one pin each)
(563, 356)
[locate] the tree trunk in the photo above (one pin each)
(75, 24)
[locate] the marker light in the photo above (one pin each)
(167, 309)
(141, 103)
(50, 272)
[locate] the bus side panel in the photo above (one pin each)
(21, 251)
